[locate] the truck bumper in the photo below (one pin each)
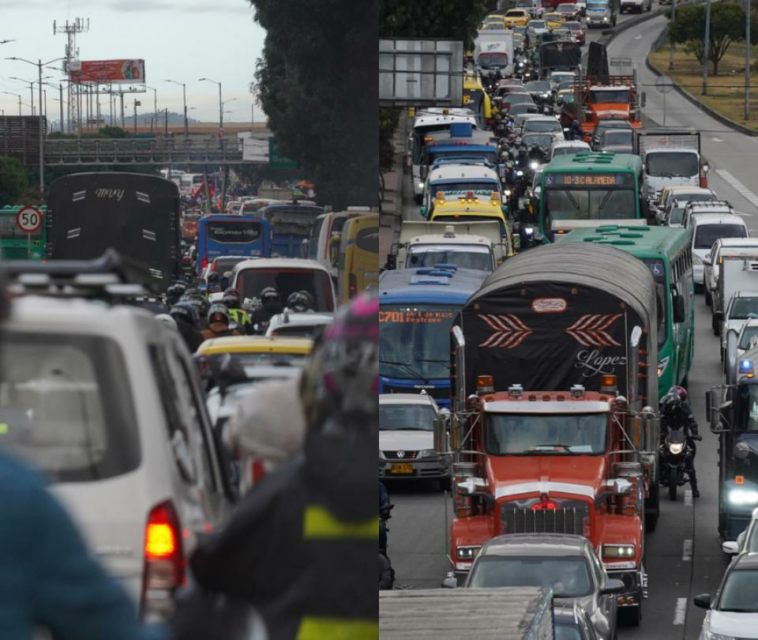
(424, 469)
(635, 583)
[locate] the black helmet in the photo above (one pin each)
(575, 123)
(185, 312)
(298, 301)
(214, 277)
(269, 294)
(231, 298)
(670, 404)
(218, 313)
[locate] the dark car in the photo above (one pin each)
(572, 623)
(607, 123)
(567, 564)
(516, 98)
(578, 30)
(614, 141)
(539, 90)
(569, 11)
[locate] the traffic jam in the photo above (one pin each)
(556, 430)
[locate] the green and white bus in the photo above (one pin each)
(589, 189)
(15, 244)
(668, 255)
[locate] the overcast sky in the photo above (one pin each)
(181, 40)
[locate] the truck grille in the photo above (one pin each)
(569, 518)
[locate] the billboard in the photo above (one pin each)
(108, 71)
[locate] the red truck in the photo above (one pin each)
(560, 436)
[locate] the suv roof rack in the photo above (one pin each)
(111, 276)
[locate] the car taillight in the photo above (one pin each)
(164, 563)
(257, 471)
(353, 285)
(205, 262)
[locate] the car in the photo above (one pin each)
(222, 265)
(579, 31)
(542, 124)
(252, 351)
(567, 564)
(607, 123)
(733, 612)
(614, 141)
(673, 215)
(516, 18)
(706, 229)
(537, 28)
(524, 107)
(712, 263)
(747, 541)
(572, 623)
(742, 306)
(506, 87)
(746, 339)
(496, 18)
(515, 98)
(563, 34)
(681, 195)
(557, 77)
(711, 207)
(406, 438)
(107, 403)
(568, 10)
(539, 90)
(570, 148)
(554, 20)
(297, 325)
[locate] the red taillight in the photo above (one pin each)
(353, 286)
(205, 262)
(164, 562)
(257, 471)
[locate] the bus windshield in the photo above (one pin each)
(590, 204)
(414, 340)
(479, 187)
(462, 256)
(461, 152)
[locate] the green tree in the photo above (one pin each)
(727, 26)
(442, 19)
(317, 84)
(12, 181)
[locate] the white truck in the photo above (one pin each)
(470, 176)
(493, 50)
(468, 245)
(738, 272)
(669, 157)
(524, 613)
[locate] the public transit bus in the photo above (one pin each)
(668, 255)
(290, 225)
(16, 244)
(477, 99)
(416, 311)
(219, 236)
(358, 262)
(587, 190)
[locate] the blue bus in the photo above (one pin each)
(290, 224)
(416, 311)
(219, 236)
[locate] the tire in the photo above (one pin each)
(708, 298)
(715, 325)
(673, 483)
(698, 288)
(630, 616)
(418, 199)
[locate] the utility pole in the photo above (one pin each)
(747, 61)
(123, 122)
(72, 67)
(672, 46)
(705, 45)
(137, 103)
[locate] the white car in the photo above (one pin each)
(742, 307)
(706, 229)
(713, 207)
(542, 124)
(406, 437)
(733, 612)
(570, 148)
(298, 325)
(107, 402)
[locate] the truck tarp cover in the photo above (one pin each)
(135, 214)
(597, 61)
(566, 55)
(558, 316)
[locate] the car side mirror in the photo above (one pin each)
(730, 547)
(612, 586)
(703, 601)
(707, 262)
(706, 169)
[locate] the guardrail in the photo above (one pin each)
(158, 150)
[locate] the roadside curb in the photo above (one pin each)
(703, 107)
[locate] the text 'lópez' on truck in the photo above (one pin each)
(552, 428)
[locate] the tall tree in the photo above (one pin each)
(317, 82)
(12, 181)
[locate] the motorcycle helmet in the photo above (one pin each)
(269, 294)
(681, 392)
(297, 301)
(186, 312)
(231, 298)
(575, 123)
(218, 313)
(670, 404)
(166, 319)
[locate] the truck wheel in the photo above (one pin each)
(708, 298)
(673, 483)
(630, 616)
(715, 325)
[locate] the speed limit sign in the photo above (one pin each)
(29, 219)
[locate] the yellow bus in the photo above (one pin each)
(477, 99)
(358, 268)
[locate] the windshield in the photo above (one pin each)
(748, 334)
(518, 98)
(567, 577)
(617, 137)
(677, 215)
(494, 59)
(414, 340)
(266, 359)
(250, 283)
(489, 156)
(537, 24)
(740, 592)
(541, 434)
(542, 125)
(537, 140)
(596, 204)
(406, 417)
(744, 308)
(568, 151)
(672, 164)
(462, 256)
(538, 86)
(479, 187)
(707, 234)
(64, 408)
(609, 97)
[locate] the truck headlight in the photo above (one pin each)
(662, 364)
(743, 496)
(466, 553)
(618, 551)
(605, 19)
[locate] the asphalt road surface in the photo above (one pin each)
(683, 556)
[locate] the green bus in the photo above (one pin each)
(588, 189)
(16, 244)
(667, 253)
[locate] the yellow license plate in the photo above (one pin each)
(401, 468)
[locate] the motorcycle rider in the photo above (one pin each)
(239, 316)
(575, 131)
(677, 414)
(295, 548)
(270, 306)
(186, 317)
(218, 323)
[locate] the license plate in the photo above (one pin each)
(401, 468)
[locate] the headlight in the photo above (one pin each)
(426, 453)
(696, 259)
(743, 496)
(466, 553)
(662, 364)
(605, 19)
(618, 551)
(420, 185)
(533, 165)
(676, 448)
(529, 231)
(519, 173)
(507, 193)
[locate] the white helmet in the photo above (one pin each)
(167, 320)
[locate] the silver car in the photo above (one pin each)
(406, 437)
(566, 564)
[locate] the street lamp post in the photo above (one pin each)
(31, 90)
(184, 94)
(155, 104)
(39, 64)
(220, 104)
(672, 46)
(18, 96)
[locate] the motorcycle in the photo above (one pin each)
(673, 453)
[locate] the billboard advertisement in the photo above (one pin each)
(108, 71)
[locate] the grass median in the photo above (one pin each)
(726, 91)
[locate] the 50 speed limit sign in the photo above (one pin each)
(29, 219)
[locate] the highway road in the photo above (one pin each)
(683, 557)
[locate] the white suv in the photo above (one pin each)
(106, 401)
